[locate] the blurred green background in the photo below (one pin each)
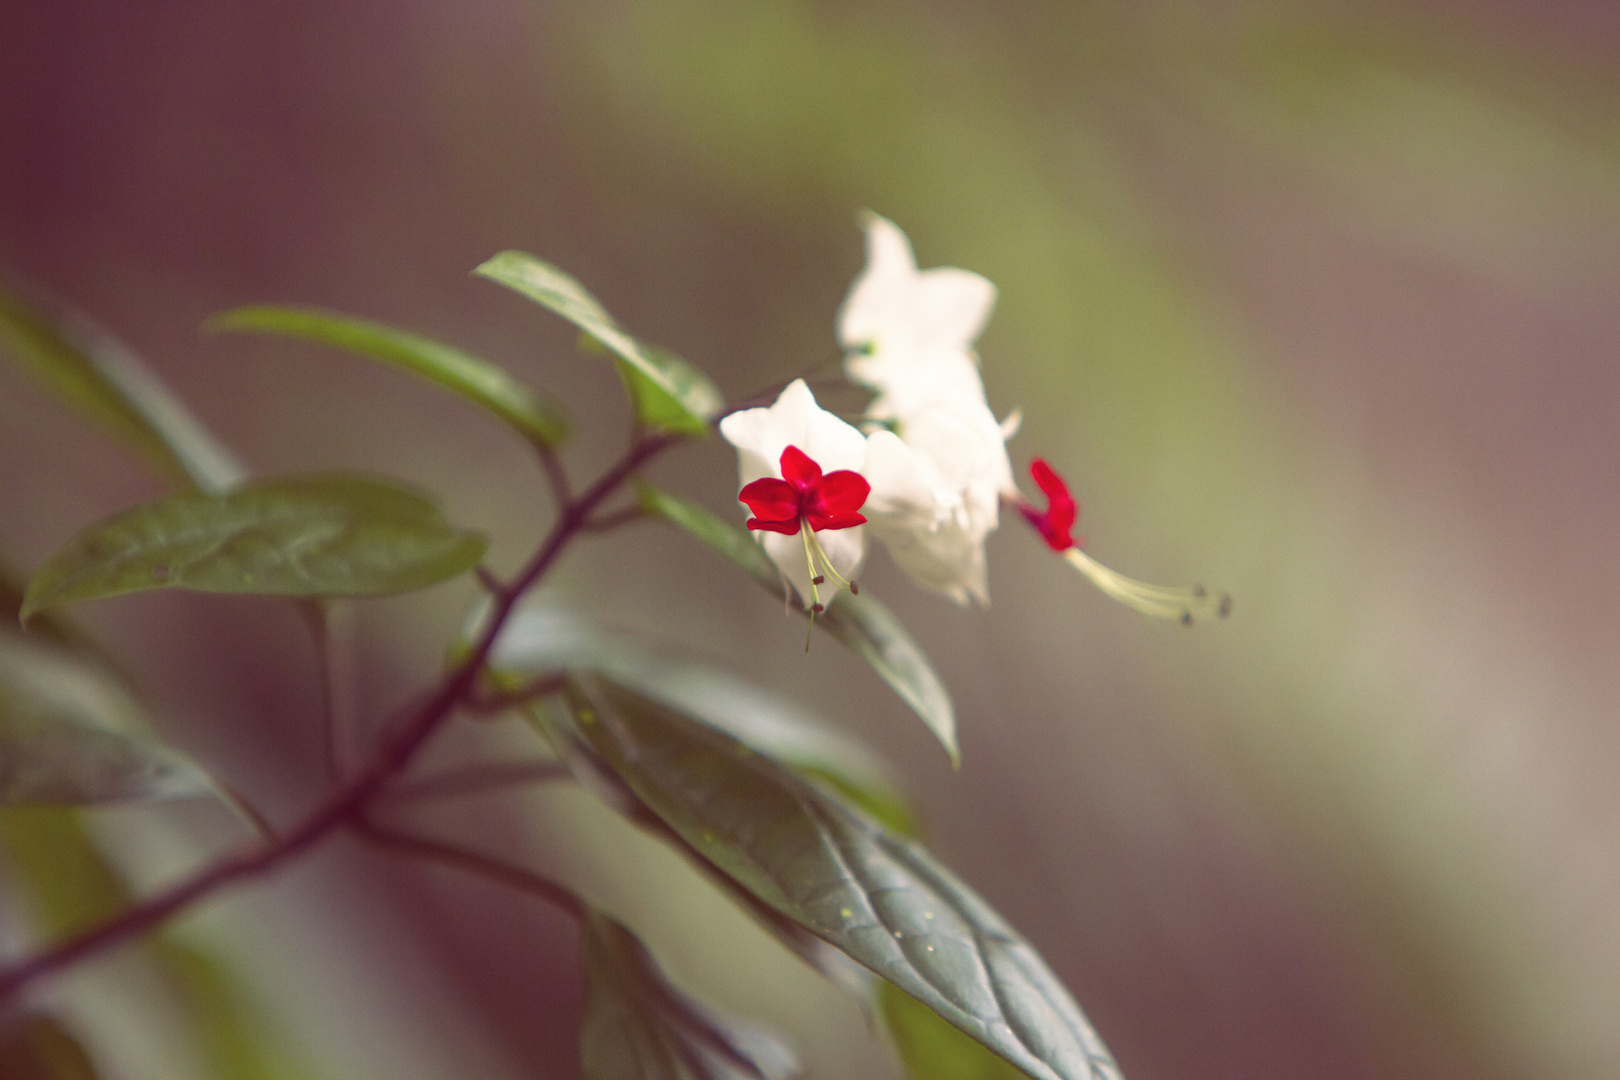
(1317, 302)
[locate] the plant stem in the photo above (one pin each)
(347, 805)
(515, 877)
(476, 780)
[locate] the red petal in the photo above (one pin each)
(847, 520)
(841, 492)
(1047, 479)
(1057, 522)
(771, 499)
(798, 469)
(786, 528)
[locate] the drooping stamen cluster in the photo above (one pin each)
(806, 502)
(1055, 524)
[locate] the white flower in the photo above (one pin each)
(761, 436)
(895, 314)
(939, 468)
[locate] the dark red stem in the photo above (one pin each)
(347, 805)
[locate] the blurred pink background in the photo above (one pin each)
(1316, 302)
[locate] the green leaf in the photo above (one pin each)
(476, 379)
(860, 623)
(71, 735)
(36, 1047)
(674, 395)
(91, 371)
(540, 641)
(324, 535)
(931, 1048)
(880, 899)
(638, 1026)
(68, 886)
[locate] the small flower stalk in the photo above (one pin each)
(1055, 525)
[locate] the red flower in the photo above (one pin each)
(1057, 521)
(804, 495)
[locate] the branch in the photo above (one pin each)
(346, 805)
(473, 862)
(477, 779)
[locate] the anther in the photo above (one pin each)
(854, 587)
(820, 580)
(818, 608)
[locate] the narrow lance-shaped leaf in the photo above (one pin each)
(541, 641)
(860, 623)
(90, 370)
(71, 735)
(474, 378)
(325, 535)
(638, 1026)
(880, 899)
(674, 395)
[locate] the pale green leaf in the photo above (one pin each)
(860, 623)
(675, 395)
(541, 641)
(880, 899)
(930, 1047)
(324, 535)
(68, 885)
(638, 1026)
(70, 735)
(476, 379)
(37, 1047)
(88, 369)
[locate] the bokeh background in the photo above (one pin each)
(1319, 302)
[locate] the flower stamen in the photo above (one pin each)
(1187, 605)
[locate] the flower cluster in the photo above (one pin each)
(927, 470)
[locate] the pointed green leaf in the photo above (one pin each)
(638, 1026)
(860, 623)
(71, 735)
(91, 371)
(325, 535)
(540, 641)
(880, 899)
(476, 379)
(37, 1047)
(930, 1047)
(675, 395)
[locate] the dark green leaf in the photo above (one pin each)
(475, 379)
(539, 641)
(71, 735)
(325, 535)
(36, 1047)
(860, 623)
(88, 369)
(930, 1047)
(880, 899)
(674, 395)
(638, 1026)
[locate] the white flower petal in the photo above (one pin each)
(845, 548)
(760, 436)
(893, 309)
